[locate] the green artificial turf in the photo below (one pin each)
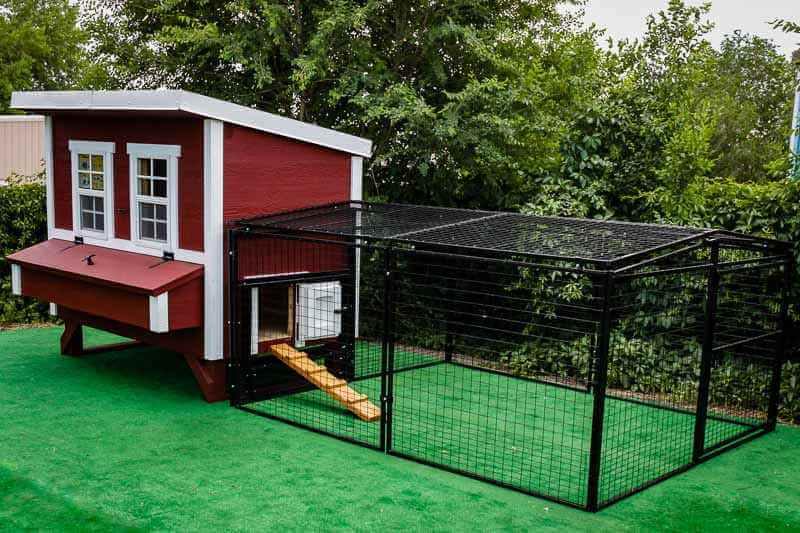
(123, 441)
(530, 435)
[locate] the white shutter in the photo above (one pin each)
(319, 311)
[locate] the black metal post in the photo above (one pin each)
(597, 294)
(348, 347)
(780, 348)
(387, 353)
(449, 343)
(599, 393)
(234, 369)
(707, 357)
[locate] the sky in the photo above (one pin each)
(626, 18)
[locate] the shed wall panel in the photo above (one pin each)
(186, 132)
(21, 150)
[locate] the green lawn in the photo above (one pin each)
(123, 440)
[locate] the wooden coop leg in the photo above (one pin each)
(72, 338)
(210, 377)
(72, 342)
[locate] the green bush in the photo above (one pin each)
(23, 222)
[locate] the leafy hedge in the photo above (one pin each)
(770, 209)
(23, 222)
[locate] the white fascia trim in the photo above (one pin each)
(47, 146)
(214, 239)
(276, 124)
(254, 305)
(172, 100)
(92, 146)
(16, 279)
(154, 150)
(188, 256)
(159, 313)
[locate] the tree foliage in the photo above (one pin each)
(42, 48)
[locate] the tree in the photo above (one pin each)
(465, 100)
(751, 85)
(41, 48)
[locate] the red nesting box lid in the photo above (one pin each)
(127, 270)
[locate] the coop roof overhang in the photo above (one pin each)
(132, 272)
(604, 244)
(177, 101)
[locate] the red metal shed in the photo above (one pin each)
(140, 188)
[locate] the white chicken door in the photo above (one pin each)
(319, 311)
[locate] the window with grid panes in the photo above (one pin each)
(152, 198)
(91, 191)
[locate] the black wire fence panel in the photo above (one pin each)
(653, 373)
(581, 385)
(746, 337)
(331, 310)
(508, 401)
(661, 323)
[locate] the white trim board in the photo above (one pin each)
(254, 307)
(16, 279)
(159, 313)
(196, 104)
(189, 256)
(214, 240)
(357, 193)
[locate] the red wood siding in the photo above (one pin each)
(186, 132)
(262, 255)
(265, 174)
(186, 305)
(109, 302)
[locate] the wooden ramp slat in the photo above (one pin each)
(336, 388)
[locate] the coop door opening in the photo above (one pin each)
(319, 311)
(272, 315)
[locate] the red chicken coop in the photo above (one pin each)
(141, 186)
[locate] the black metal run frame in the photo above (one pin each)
(581, 361)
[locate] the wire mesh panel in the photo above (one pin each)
(653, 368)
(313, 341)
(577, 360)
(746, 335)
(504, 393)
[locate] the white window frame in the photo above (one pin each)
(170, 152)
(106, 149)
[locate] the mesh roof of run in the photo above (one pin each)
(585, 240)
